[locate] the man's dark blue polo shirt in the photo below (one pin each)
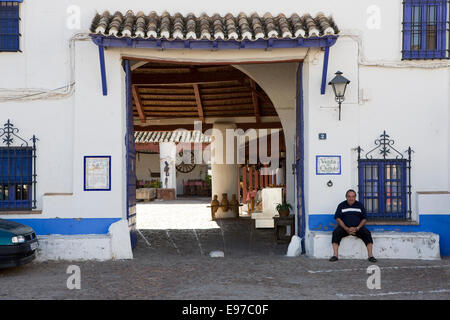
(351, 215)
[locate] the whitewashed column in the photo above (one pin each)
(224, 176)
(168, 153)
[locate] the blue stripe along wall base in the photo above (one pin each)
(69, 226)
(436, 223)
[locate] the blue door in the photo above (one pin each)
(130, 158)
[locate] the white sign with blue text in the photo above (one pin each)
(328, 165)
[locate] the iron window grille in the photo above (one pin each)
(9, 26)
(384, 184)
(425, 29)
(17, 170)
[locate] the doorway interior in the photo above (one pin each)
(173, 189)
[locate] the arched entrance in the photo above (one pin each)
(205, 100)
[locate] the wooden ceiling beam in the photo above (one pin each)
(187, 78)
(255, 91)
(137, 102)
(199, 103)
(255, 101)
(206, 126)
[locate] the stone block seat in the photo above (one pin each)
(386, 245)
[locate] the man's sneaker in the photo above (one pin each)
(372, 259)
(333, 258)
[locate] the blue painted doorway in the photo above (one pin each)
(130, 158)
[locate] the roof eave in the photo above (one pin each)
(204, 44)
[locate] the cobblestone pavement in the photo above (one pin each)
(174, 263)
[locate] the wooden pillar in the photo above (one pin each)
(239, 185)
(256, 179)
(261, 178)
(250, 177)
(266, 177)
(244, 184)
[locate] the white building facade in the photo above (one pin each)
(67, 86)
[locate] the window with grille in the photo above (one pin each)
(17, 170)
(9, 26)
(425, 29)
(383, 188)
(384, 180)
(16, 178)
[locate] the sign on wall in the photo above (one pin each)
(328, 165)
(97, 173)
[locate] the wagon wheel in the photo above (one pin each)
(186, 167)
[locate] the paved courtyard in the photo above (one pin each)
(172, 261)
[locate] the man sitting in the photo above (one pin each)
(351, 217)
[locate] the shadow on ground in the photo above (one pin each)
(235, 237)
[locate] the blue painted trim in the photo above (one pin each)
(84, 173)
(111, 41)
(300, 157)
(325, 70)
(436, 223)
(130, 156)
(10, 27)
(69, 226)
(101, 53)
(328, 174)
(441, 22)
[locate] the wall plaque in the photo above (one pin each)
(328, 165)
(97, 173)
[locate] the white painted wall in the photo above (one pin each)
(144, 162)
(86, 123)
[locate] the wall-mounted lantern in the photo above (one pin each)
(339, 84)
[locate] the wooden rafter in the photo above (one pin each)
(255, 101)
(186, 78)
(138, 103)
(254, 90)
(199, 102)
(206, 126)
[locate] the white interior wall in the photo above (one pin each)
(144, 162)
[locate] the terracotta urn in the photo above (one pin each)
(284, 213)
(234, 205)
(214, 206)
(224, 203)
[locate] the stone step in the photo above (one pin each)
(386, 245)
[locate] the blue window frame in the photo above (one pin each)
(425, 29)
(383, 188)
(16, 178)
(9, 26)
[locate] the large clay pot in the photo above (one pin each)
(284, 213)
(214, 206)
(224, 202)
(234, 205)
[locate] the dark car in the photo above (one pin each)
(18, 244)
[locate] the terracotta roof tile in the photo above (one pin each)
(171, 136)
(191, 27)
